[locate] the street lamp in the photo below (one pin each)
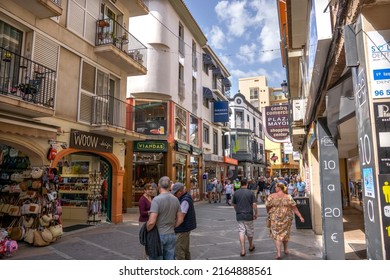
(284, 86)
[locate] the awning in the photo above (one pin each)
(218, 72)
(226, 82)
(28, 129)
(209, 94)
(208, 60)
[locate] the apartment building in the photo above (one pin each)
(278, 155)
(63, 78)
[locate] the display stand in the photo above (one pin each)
(94, 197)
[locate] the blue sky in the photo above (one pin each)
(245, 36)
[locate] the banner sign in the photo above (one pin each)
(150, 146)
(382, 124)
(90, 141)
(221, 111)
(276, 122)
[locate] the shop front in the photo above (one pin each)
(92, 179)
(149, 162)
(195, 167)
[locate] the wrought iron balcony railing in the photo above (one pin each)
(108, 110)
(24, 79)
(110, 32)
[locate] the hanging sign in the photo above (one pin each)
(90, 141)
(276, 122)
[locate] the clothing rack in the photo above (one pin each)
(94, 197)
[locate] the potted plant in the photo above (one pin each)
(103, 23)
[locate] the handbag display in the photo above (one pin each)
(56, 230)
(31, 208)
(5, 208)
(28, 221)
(29, 236)
(15, 211)
(47, 235)
(16, 230)
(36, 172)
(38, 240)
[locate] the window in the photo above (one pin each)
(206, 134)
(215, 142)
(254, 125)
(194, 58)
(181, 124)
(150, 117)
(181, 89)
(181, 40)
(194, 137)
(106, 108)
(254, 93)
(239, 115)
(82, 18)
(206, 102)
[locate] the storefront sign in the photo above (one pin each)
(230, 160)
(276, 122)
(212, 157)
(196, 151)
(382, 124)
(384, 183)
(183, 148)
(379, 65)
(221, 111)
(332, 215)
(90, 141)
(150, 146)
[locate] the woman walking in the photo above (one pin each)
(280, 208)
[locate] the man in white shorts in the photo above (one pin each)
(244, 202)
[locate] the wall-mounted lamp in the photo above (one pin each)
(284, 86)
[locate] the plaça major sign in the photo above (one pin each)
(275, 120)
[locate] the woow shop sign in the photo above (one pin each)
(275, 120)
(89, 141)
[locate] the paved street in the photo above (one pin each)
(216, 238)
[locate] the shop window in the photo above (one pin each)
(150, 117)
(194, 131)
(181, 168)
(180, 124)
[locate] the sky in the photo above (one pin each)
(245, 36)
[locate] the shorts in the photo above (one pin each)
(246, 228)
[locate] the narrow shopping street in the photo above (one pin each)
(215, 238)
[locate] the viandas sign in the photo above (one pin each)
(275, 120)
(90, 141)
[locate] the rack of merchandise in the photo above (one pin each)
(74, 196)
(94, 197)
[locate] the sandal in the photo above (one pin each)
(253, 248)
(242, 255)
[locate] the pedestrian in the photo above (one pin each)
(244, 202)
(218, 191)
(154, 187)
(210, 189)
(300, 186)
(261, 186)
(237, 184)
(291, 188)
(228, 192)
(280, 208)
(144, 204)
(182, 249)
(165, 214)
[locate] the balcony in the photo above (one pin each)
(42, 8)
(26, 87)
(116, 44)
(138, 7)
(108, 117)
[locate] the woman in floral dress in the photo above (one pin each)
(280, 208)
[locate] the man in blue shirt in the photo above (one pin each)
(301, 186)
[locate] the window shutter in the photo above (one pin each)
(76, 18)
(85, 108)
(45, 52)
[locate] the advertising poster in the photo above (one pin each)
(378, 63)
(382, 125)
(276, 123)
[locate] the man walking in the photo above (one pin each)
(244, 202)
(165, 214)
(188, 217)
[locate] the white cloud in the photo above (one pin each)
(236, 16)
(247, 53)
(217, 37)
